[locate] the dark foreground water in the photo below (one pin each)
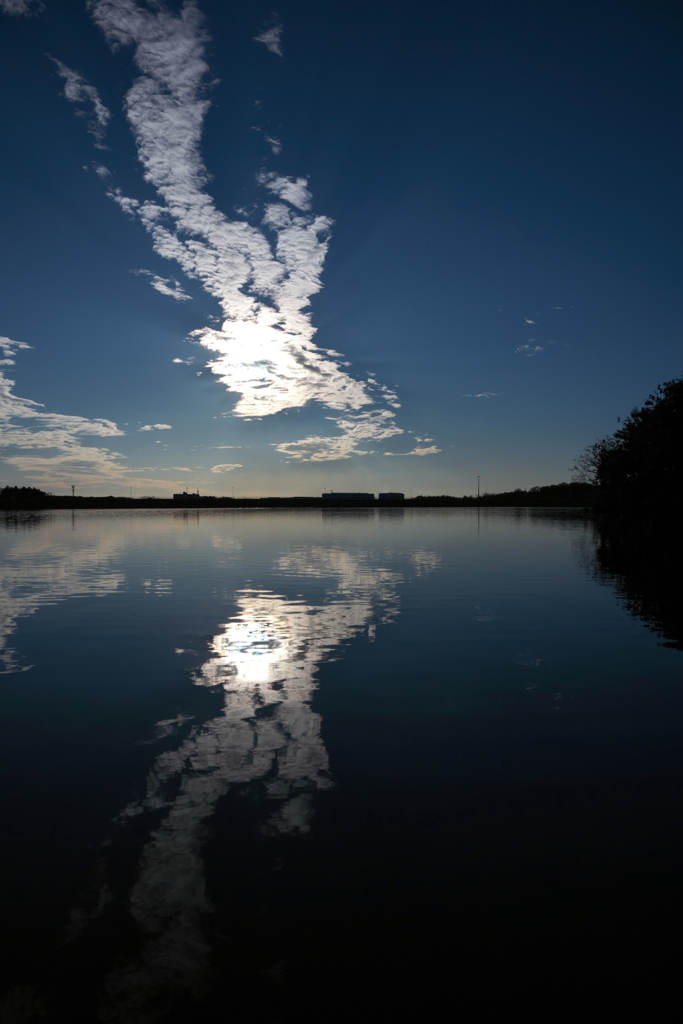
(319, 765)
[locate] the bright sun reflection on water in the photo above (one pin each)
(265, 661)
(175, 767)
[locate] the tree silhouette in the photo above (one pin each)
(21, 495)
(641, 464)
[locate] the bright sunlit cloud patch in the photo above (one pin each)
(263, 268)
(263, 275)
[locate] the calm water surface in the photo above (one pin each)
(288, 765)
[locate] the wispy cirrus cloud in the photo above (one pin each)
(263, 274)
(78, 90)
(24, 425)
(226, 467)
(531, 348)
(432, 450)
(157, 426)
(128, 205)
(10, 349)
(52, 425)
(357, 432)
(166, 285)
(65, 458)
(272, 38)
(21, 8)
(291, 190)
(274, 143)
(483, 394)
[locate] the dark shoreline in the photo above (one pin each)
(143, 503)
(227, 503)
(563, 495)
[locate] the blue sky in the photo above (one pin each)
(347, 246)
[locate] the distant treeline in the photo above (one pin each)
(13, 495)
(564, 494)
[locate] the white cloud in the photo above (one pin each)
(357, 431)
(530, 349)
(185, 362)
(24, 425)
(78, 90)
(275, 148)
(272, 38)
(166, 285)
(55, 425)
(432, 450)
(529, 321)
(292, 190)
(215, 447)
(275, 144)
(9, 350)
(157, 426)
(226, 467)
(128, 205)
(21, 8)
(263, 276)
(482, 394)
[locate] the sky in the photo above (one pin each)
(344, 246)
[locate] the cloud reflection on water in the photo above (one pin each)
(44, 567)
(265, 661)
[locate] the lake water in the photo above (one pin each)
(319, 764)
